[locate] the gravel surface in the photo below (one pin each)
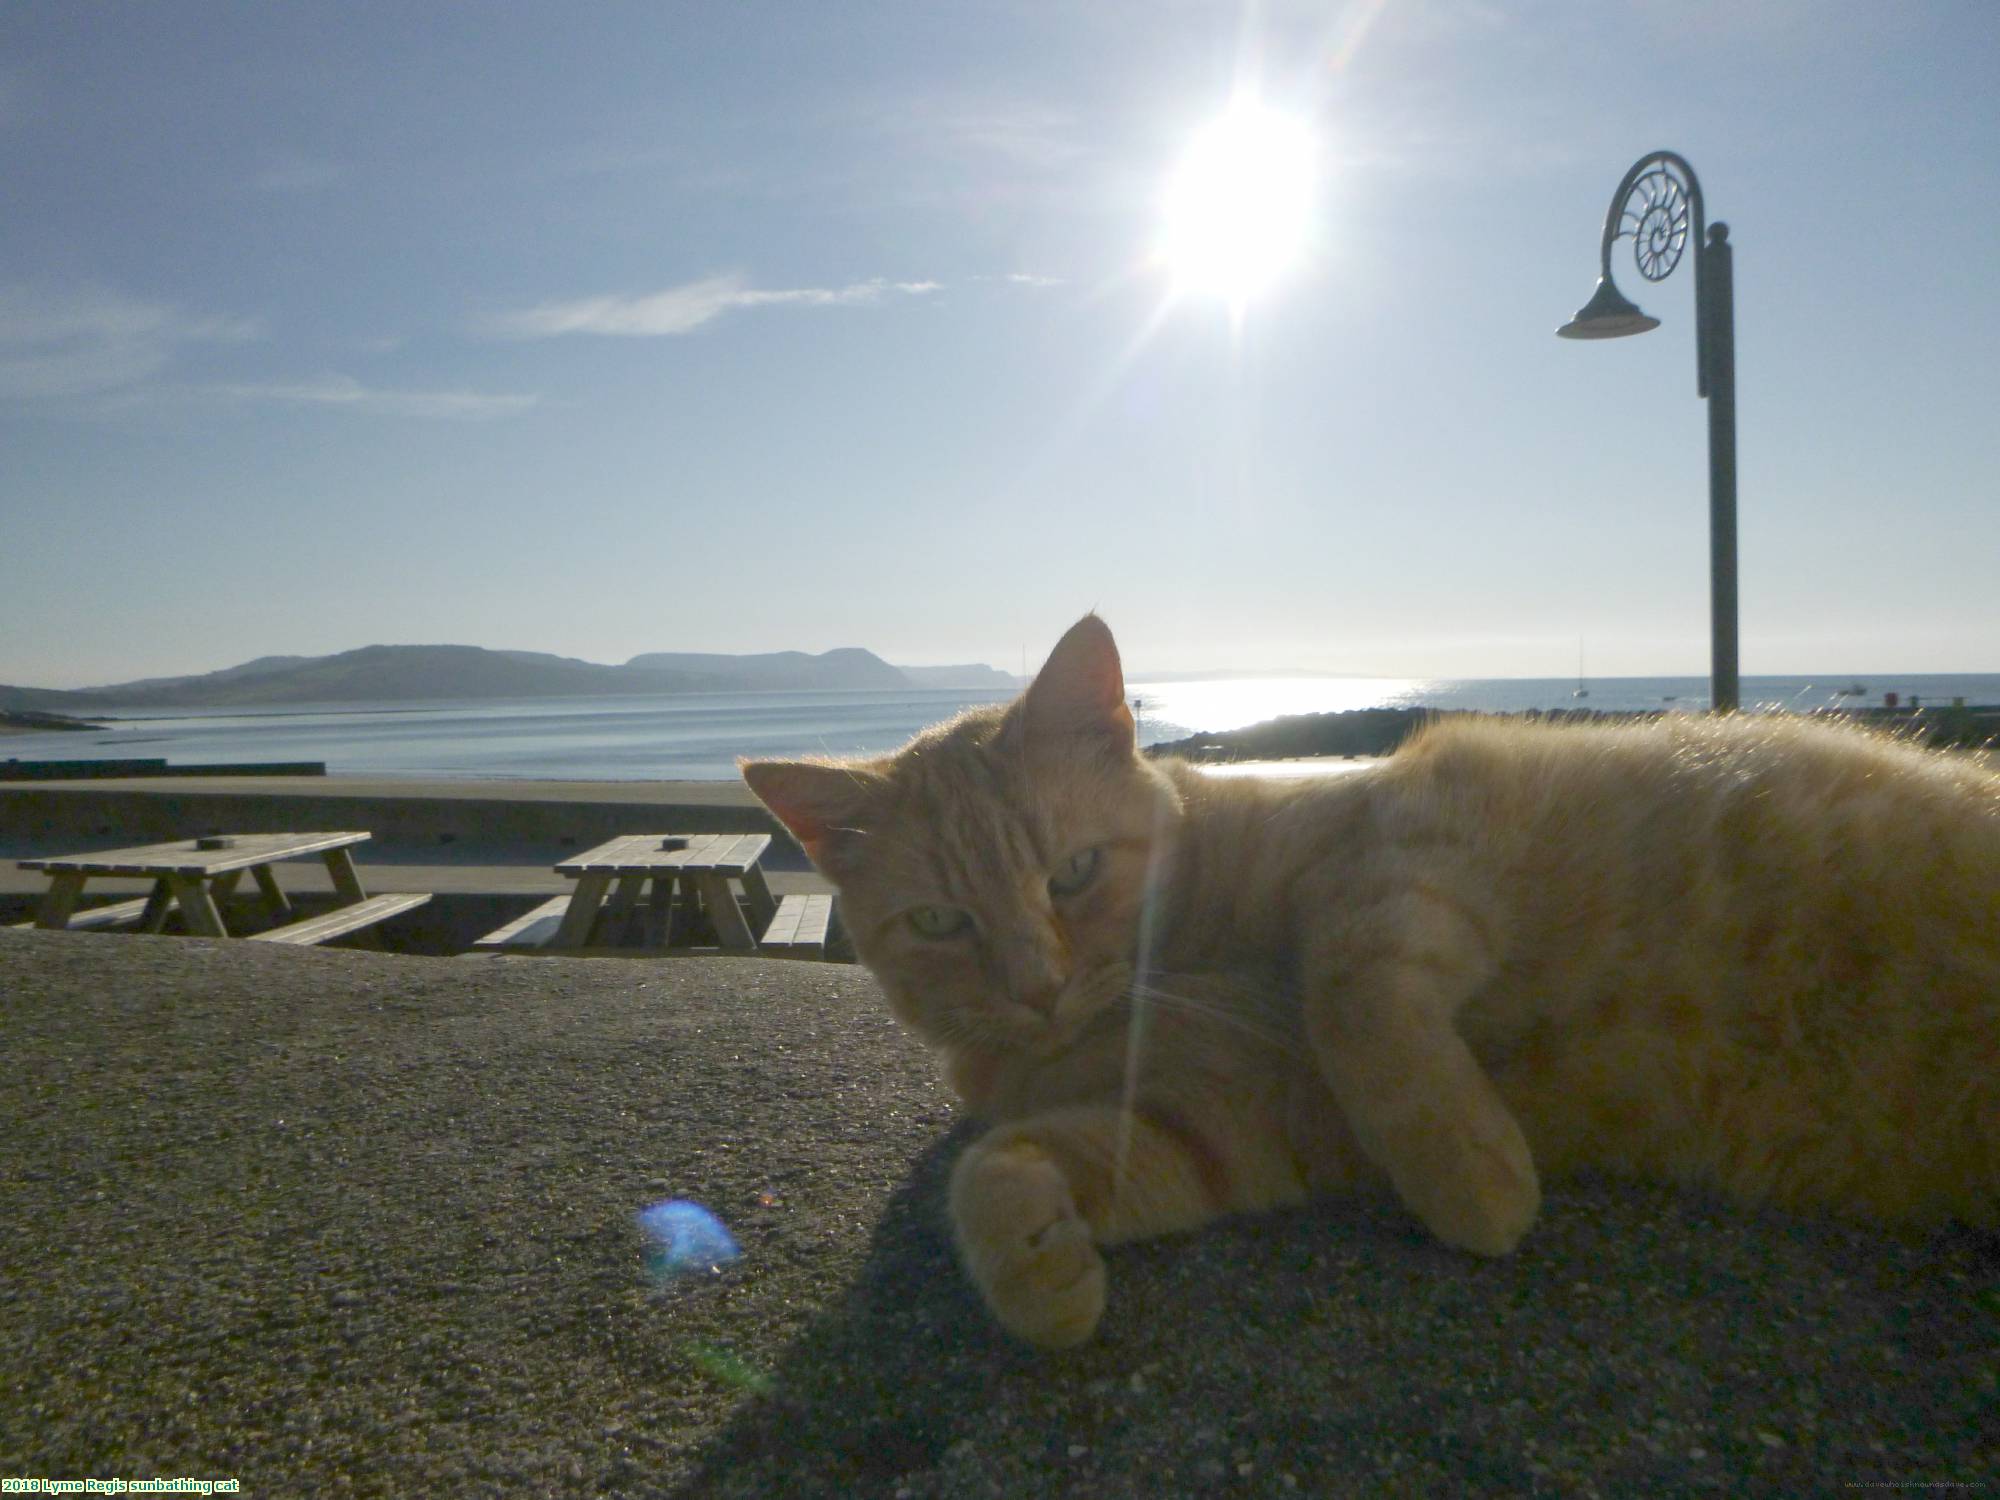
(332, 1222)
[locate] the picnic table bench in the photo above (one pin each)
(714, 878)
(195, 875)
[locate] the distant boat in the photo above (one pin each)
(1858, 690)
(1581, 690)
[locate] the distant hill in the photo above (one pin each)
(405, 673)
(247, 669)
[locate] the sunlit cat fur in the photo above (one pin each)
(1758, 953)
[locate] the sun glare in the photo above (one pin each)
(1239, 204)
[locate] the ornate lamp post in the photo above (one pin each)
(1654, 205)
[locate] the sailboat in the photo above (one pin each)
(1581, 690)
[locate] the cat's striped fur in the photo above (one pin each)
(1757, 953)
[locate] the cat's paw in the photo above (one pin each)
(1027, 1248)
(1470, 1178)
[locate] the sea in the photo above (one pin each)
(697, 737)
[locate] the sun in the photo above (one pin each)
(1238, 206)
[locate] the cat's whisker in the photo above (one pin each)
(1223, 1016)
(1268, 997)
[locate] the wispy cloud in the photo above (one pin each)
(985, 132)
(684, 308)
(343, 392)
(78, 342)
(1022, 133)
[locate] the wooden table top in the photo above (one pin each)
(671, 853)
(237, 851)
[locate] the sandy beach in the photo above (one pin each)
(340, 1222)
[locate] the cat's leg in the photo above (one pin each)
(1032, 1200)
(1385, 979)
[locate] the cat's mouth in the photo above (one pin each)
(1088, 995)
(1044, 1030)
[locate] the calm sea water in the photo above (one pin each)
(698, 737)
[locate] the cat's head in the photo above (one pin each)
(992, 872)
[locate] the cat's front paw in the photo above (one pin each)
(1027, 1248)
(1472, 1180)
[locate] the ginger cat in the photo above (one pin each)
(1757, 953)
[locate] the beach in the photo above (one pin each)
(343, 1222)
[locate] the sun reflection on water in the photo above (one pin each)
(1173, 710)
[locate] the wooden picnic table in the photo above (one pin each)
(708, 868)
(194, 874)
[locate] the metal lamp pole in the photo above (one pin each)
(1655, 204)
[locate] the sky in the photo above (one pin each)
(618, 328)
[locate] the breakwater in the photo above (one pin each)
(1379, 731)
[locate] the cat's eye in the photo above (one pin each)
(1074, 873)
(939, 921)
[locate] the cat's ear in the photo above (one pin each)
(818, 801)
(1081, 687)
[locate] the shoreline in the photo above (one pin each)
(1345, 733)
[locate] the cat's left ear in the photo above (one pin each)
(1081, 687)
(820, 802)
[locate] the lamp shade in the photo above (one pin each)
(1607, 315)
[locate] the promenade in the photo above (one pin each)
(454, 837)
(338, 1222)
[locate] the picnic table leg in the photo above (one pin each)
(730, 927)
(660, 911)
(582, 913)
(222, 887)
(275, 904)
(762, 906)
(687, 903)
(618, 910)
(154, 917)
(197, 910)
(64, 889)
(346, 879)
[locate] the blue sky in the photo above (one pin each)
(627, 327)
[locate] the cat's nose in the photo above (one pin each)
(1034, 972)
(1043, 999)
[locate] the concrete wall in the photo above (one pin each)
(40, 815)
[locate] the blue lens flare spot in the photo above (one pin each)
(684, 1237)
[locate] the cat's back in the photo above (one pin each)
(1758, 951)
(1764, 952)
(1714, 856)
(1777, 786)
(1585, 834)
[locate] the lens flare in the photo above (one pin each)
(721, 1365)
(684, 1237)
(1157, 875)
